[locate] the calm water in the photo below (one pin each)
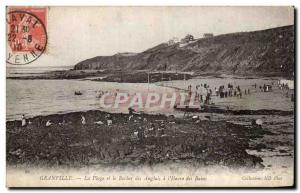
(25, 71)
(42, 97)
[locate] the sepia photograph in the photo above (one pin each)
(150, 96)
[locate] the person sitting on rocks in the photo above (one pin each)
(63, 122)
(257, 123)
(109, 119)
(48, 123)
(141, 134)
(131, 113)
(130, 110)
(23, 120)
(83, 121)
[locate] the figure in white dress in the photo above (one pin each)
(23, 121)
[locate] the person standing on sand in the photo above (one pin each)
(196, 92)
(265, 88)
(217, 91)
(201, 92)
(225, 92)
(190, 88)
(221, 92)
(23, 120)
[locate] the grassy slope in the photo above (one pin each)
(260, 52)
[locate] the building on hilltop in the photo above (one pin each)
(173, 41)
(188, 38)
(208, 35)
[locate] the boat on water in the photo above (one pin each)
(78, 93)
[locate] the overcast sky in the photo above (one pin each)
(78, 33)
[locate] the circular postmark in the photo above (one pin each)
(26, 37)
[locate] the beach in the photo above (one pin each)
(219, 137)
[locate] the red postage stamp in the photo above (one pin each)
(26, 34)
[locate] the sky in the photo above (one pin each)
(79, 33)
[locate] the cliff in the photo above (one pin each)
(267, 52)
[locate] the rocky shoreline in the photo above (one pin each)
(143, 140)
(105, 76)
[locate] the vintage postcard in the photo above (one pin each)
(150, 96)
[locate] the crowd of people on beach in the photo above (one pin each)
(204, 92)
(285, 88)
(265, 88)
(231, 91)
